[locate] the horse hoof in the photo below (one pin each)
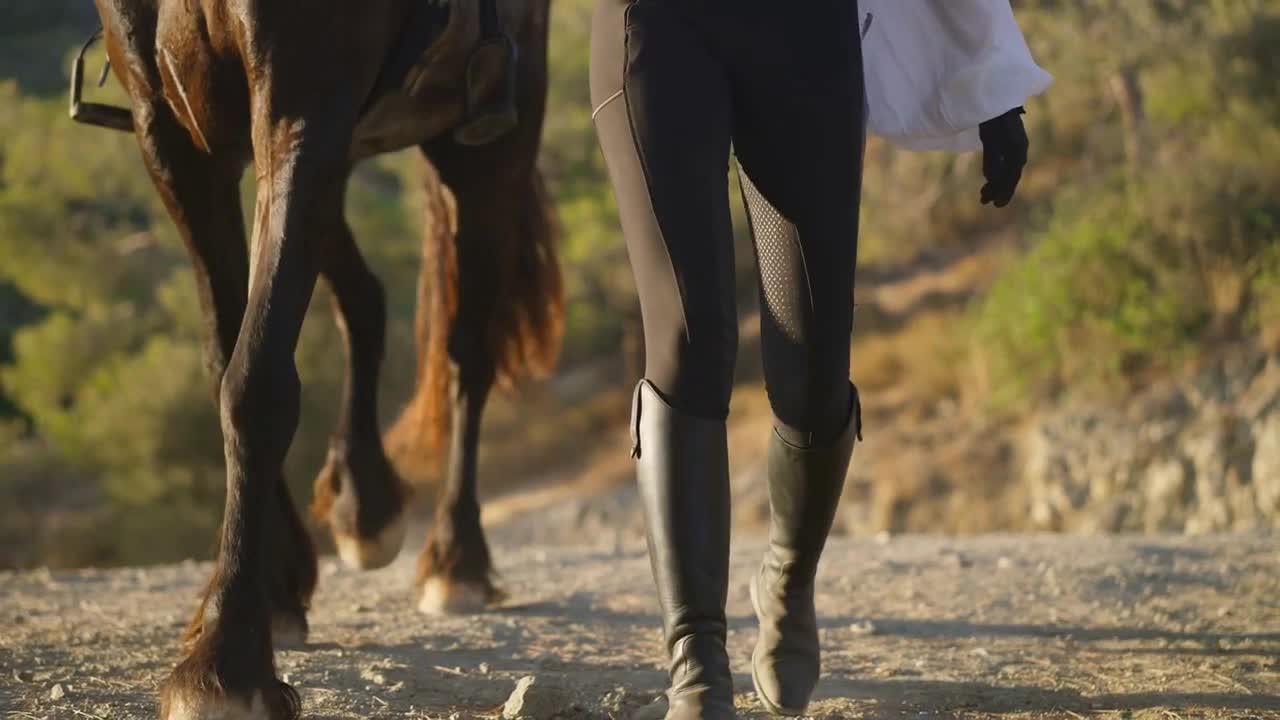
(198, 706)
(288, 631)
(442, 596)
(198, 696)
(361, 554)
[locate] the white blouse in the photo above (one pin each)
(936, 69)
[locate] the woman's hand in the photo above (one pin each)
(1004, 154)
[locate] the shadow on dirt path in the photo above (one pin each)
(987, 627)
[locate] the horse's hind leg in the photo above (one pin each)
(358, 493)
(502, 228)
(455, 569)
(292, 576)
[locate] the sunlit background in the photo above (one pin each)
(1104, 355)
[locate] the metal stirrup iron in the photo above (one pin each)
(107, 116)
(490, 106)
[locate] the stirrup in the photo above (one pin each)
(107, 116)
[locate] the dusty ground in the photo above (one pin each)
(1002, 626)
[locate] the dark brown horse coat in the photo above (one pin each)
(301, 90)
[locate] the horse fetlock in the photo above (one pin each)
(228, 675)
(363, 503)
(371, 553)
(279, 702)
(187, 705)
(438, 595)
(456, 578)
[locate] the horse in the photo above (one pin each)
(302, 91)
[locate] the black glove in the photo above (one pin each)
(1004, 154)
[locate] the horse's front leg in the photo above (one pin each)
(229, 672)
(202, 195)
(300, 155)
(358, 493)
(200, 189)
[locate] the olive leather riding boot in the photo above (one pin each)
(804, 488)
(682, 466)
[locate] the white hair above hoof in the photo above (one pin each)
(442, 596)
(360, 554)
(201, 706)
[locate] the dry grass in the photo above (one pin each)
(927, 357)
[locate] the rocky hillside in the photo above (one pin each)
(1197, 456)
(1192, 456)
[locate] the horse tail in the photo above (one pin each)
(529, 324)
(425, 420)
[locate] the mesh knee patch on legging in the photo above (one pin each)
(784, 282)
(808, 391)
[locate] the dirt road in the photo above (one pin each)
(1009, 627)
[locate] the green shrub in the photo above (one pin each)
(1131, 278)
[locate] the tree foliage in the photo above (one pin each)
(1163, 244)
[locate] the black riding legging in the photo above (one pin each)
(673, 84)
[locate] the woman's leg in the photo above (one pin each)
(663, 117)
(799, 136)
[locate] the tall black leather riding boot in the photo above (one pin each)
(804, 489)
(682, 465)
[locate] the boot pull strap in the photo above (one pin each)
(635, 421)
(857, 412)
